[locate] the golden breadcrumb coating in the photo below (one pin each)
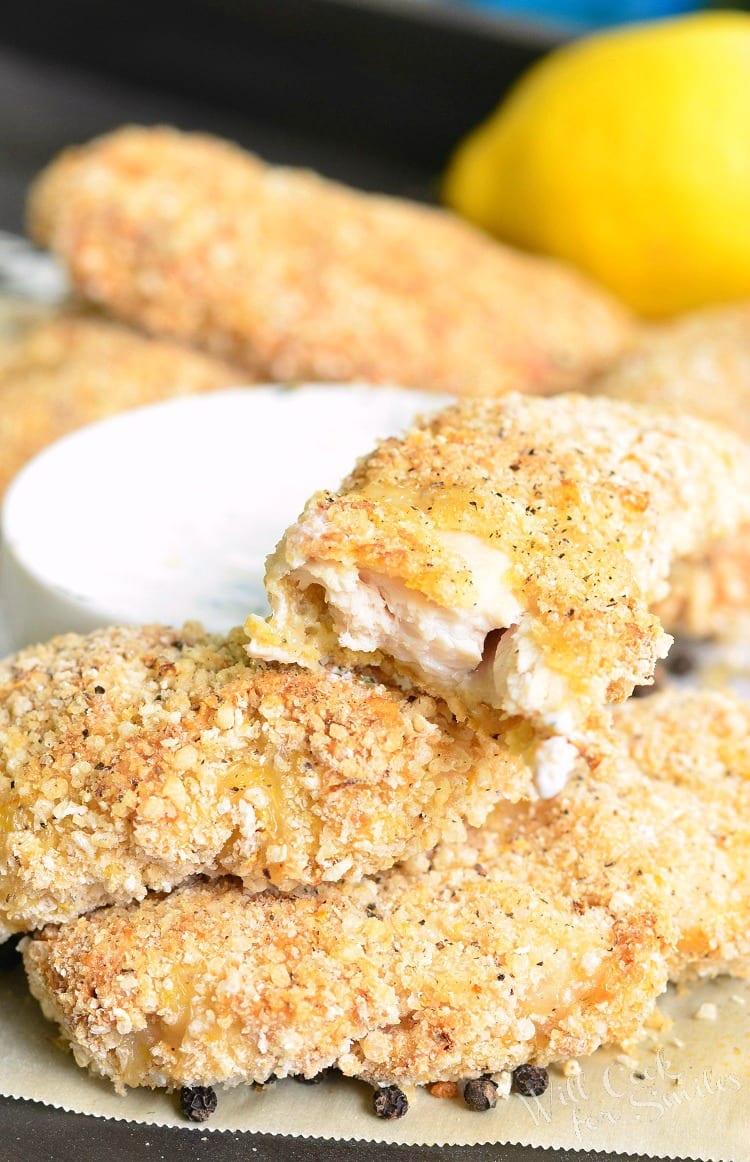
(69, 370)
(710, 592)
(17, 315)
(295, 277)
(545, 934)
(506, 553)
(435, 974)
(133, 758)
(698, 742)
(700, 365)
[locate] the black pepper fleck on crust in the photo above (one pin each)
(530, 1080)
(389, 774)
(198, 1102)
(450, 462)
(390, 1102)
(318, 975)
(480, 1094)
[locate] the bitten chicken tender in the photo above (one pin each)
(133, 758)
(545, 934)
(505, 554)
(700, 365)
(295, 277)
(66, 371)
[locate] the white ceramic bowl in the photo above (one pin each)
(167, 513)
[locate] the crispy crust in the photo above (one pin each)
(415, 981)
(698, 743)
(133, 758)
(430, 975)
(548, 932)
(589, 500)
(699, 365)
(67, 371)
(295, 277)
(710, 592)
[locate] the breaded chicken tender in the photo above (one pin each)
(548, 932)
(504, 555)
(18, 315)
(700, 365)
(710, 592)
(697, 742)
(295, 277)
(68, 370)
(133, 758)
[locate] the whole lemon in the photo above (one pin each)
(628, 155)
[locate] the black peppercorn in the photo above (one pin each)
(530, 1080)
(390, 1102)
(480, 1093)
(198, 1102)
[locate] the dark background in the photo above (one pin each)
(374, 94)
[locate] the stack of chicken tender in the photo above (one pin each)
(410, 826)
(198, 267)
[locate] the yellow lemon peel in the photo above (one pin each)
(626, 154)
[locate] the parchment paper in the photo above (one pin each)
(685, 1092)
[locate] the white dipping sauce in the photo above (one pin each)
(167, 513)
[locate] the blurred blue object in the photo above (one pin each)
(586, 14)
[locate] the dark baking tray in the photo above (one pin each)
(405, 77)
(372, 94)
(35, 1133)
(376, 92)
